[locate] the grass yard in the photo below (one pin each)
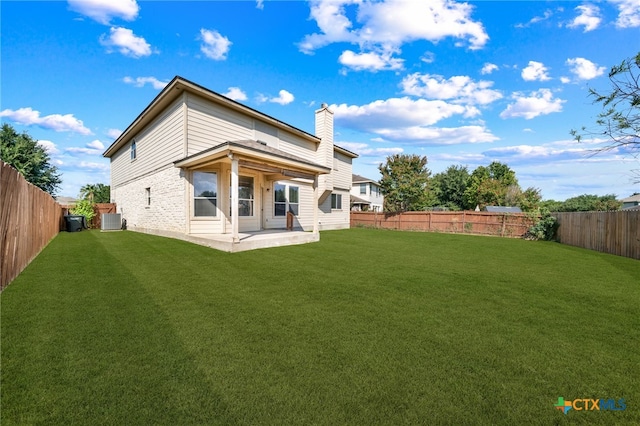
(365, 327)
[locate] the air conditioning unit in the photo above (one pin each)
(111, 222)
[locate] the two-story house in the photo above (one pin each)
(199, 166)
(366, 194)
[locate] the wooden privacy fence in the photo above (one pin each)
(609, 232)
(464, 222)
(29, 219)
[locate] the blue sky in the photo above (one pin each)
(462, 83)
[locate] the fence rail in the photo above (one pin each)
(29, 219)
(609, 232)
(464, 222)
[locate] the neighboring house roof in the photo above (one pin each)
(503, 209)
(65, 201)
(357, 200)
(362, 179)
(174, 90)
(632, 199)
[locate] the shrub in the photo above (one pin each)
(545, 227)
(84, 208)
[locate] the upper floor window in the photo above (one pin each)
(133, 150)
(363, 188)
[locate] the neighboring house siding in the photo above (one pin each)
(209, 125)
(167, 208)
(157, 147)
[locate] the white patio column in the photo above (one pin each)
(315, 204)
(234, 198)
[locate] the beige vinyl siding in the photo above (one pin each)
(341, 171)
(298, 146)
(157, 147)
(266, 133)
(304, 218)
(334, 219)
(209, 125)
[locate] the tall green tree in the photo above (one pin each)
(449, 187)
(619, 121)
(588, 202)
(489, 186)
(24, 154)
(404, 183)
(96, 193)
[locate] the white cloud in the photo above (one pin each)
(57, 122)
(49, 146)
(103, 11)
(126, 42)
(547, 14)
(418, 135)
(94, 166)
(535, 71)
(565, 80)
(540, 102)
(588, 18)
(461, 89)
(141, 81)
(283, 98)
(114, 133)
(370, 61)
(92, 148)
(584, 69)
(428, 57)
(382, 27)
(629, 13)
(236, 94)
(410, 121)
(488, 68)
(214, 45)
(260, 4)
(364, 150)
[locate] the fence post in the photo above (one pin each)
(504, 220)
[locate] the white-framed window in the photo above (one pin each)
(205, 194)
(286, 198)
(245, 196)
(134, 153)
(336, 201)
(147, 196)
(363, 188)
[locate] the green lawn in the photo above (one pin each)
(365, 327)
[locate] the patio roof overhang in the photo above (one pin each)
(276, 163)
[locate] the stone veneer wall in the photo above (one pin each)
(167, 211)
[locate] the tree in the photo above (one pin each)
(449, 187)
(619, 121)
(24, 154)
(96, 193)
(489, 185)
(404, 183)
(588, 202)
